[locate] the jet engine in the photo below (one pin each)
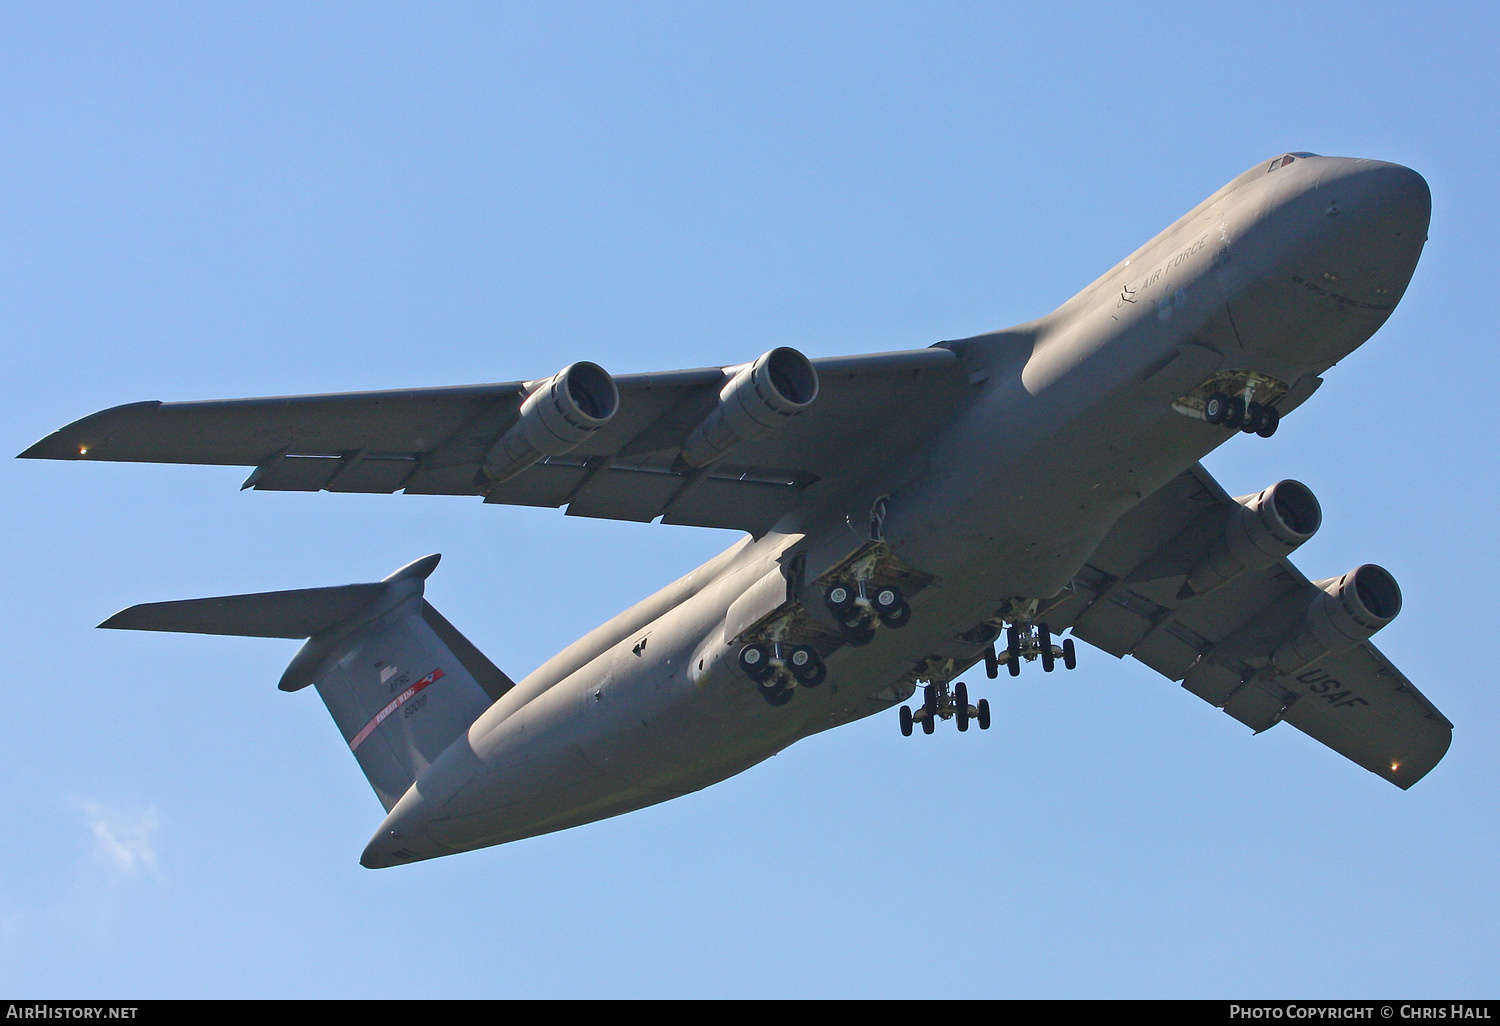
(761, 398)
(1346, 612)
(1262, 529)
(555, 419)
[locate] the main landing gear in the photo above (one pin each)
(784, 651)
(862, 604)
(941, 703)
(779, 666)
(1029, 641)
(1241, 412)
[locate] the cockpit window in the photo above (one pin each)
(1289, 158)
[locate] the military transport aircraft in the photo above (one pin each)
(908, 516)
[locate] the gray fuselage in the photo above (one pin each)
(1068, 423)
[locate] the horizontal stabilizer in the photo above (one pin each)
(302, 613)
(269, 614)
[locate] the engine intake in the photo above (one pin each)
(1262, 529)
(1345, 613)
(761, 398)
(555, 418)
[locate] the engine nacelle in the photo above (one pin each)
(1346, 612)
(555, 419)
(763, 397)
(1262, 529)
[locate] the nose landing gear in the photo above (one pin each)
(1239, 400)
(1241, 412)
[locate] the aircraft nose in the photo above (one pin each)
(1371, 219)
(1375, 190)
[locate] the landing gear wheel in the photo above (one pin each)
(775, 691)
(1013, 649)
(984, 714)
(1270, 424)
(1255, 419)
(809, 670)
(840, 600)
(929, 725)
(897, 617)
(1044, 638)
(886, 599)
(755, 660)
(1216, 408)
(961, 705)
(929, 703)
(1070, 653)
(1239, 412)
(991, 663)
(905, 722)
(857, 634)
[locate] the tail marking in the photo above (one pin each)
(392, 706)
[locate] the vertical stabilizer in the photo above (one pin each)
(399, 680)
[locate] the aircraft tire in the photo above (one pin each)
(984, 714)
(1216, 408)
(1271, 423)
(886, 598)
(961, 705)
(812, 671)
(1070, 653)
(929, 725)
(1239, 412)
(840, 599)
(906, 723)
(755, 661)
(896, 618)
(1255, 419)
(991, 663)
(1044, 636)
(775, 691)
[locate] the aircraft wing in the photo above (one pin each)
(433, 441)
(1127, 601)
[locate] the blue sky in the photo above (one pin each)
(207, 201)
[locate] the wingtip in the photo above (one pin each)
(49, 448)
(117, 622)
(73, 441)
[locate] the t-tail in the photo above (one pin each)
(400, 681)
